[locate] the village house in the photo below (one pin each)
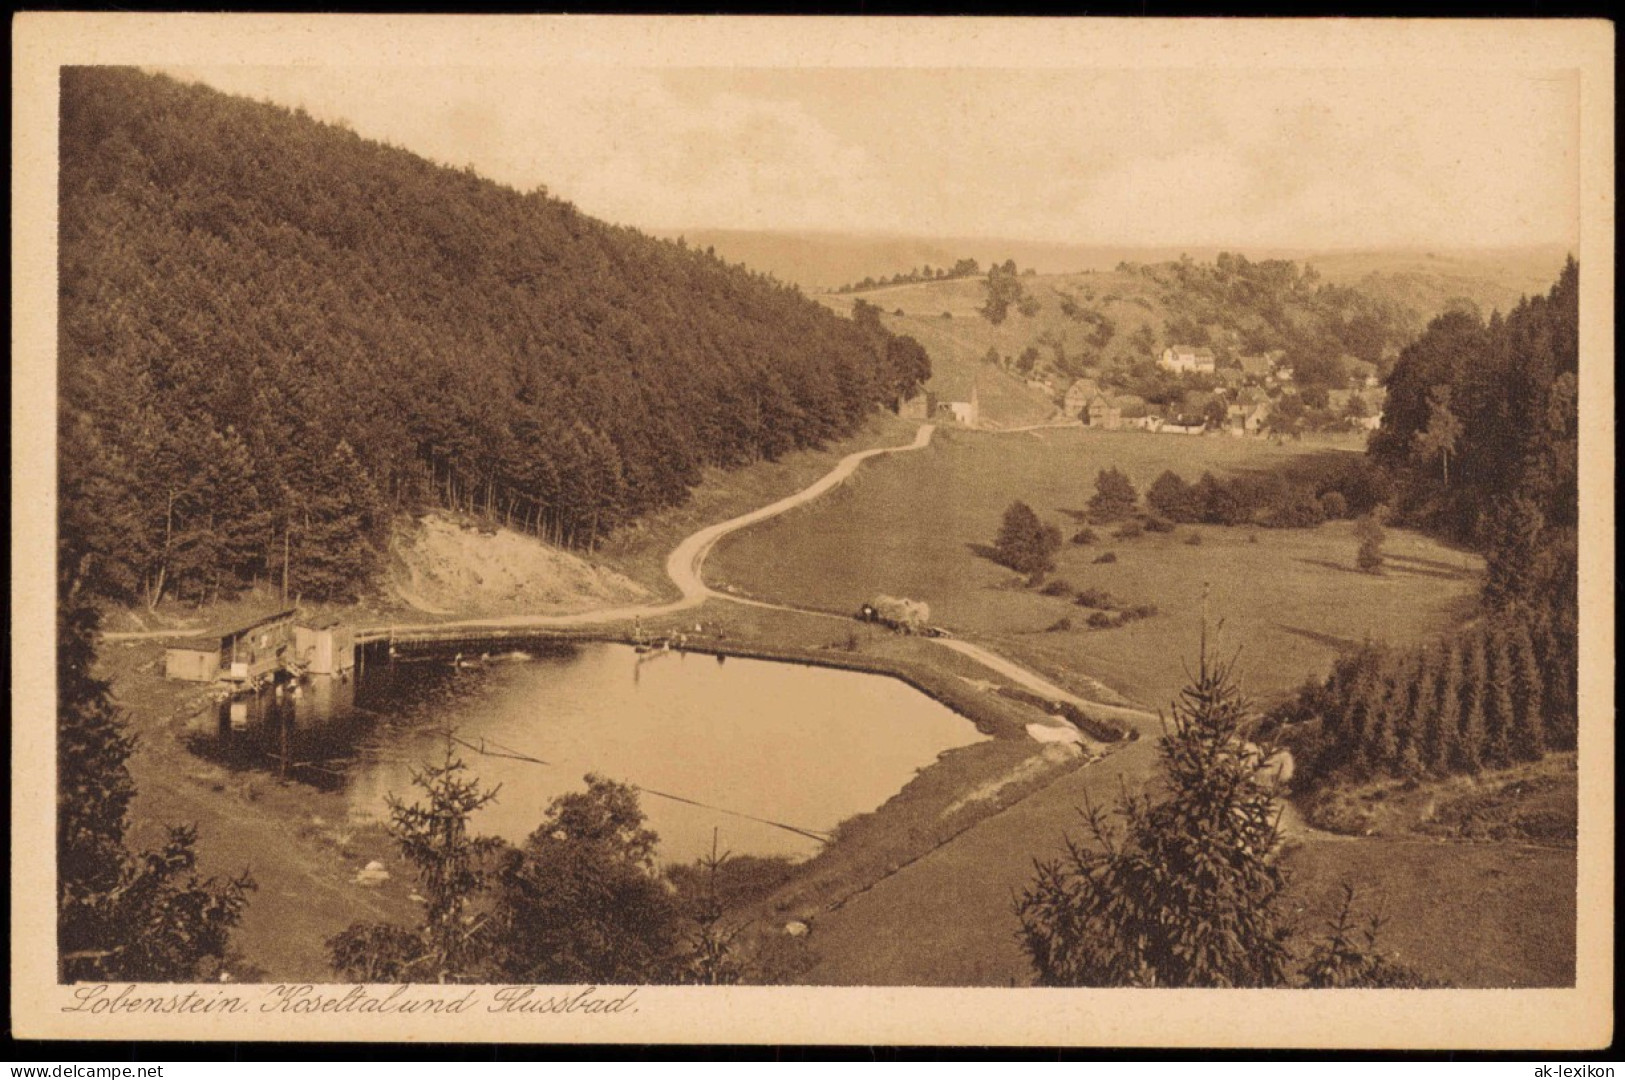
(1247, 419)
(1255, 369)
(1103, 413)
(1078, 396)
(1187, 358)
(968, 413)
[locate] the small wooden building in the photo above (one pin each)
(244, 654)
(193, 661)
(261, 647)
(324, 647)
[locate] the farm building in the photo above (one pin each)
(1256, 368)
(1078, 396)
(964, 412)
(1187, 358)
(324, 647)
(1103, 413)
(1247, 419)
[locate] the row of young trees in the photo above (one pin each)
(963, 268)
(1487, 698)
(275, 334)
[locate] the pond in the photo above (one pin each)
(770, 755)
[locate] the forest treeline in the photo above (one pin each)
(1481, 440)
(275, 334)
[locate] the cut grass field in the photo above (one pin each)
(913, 526)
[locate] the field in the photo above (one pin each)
(912, 526)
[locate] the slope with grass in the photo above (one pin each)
(919, 527)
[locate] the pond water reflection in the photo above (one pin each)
(800, 746)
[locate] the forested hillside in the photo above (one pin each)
(275, 334)
(1481, 437)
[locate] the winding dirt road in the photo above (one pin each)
(686, 564)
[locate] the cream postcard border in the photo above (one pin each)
(1547, 1019)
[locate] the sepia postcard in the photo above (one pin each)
(813, 530)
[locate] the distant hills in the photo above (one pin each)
(1426, 281)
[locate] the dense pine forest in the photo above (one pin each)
(275, 335)
(1481, 437)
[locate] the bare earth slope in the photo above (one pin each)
(442, 564)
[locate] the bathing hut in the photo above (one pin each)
(193, 661)
(323, 647)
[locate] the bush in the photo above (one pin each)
(1084, 536)
(1195, 539)
(1333, 505)
(1108, 557)
(1104, 620)
(1062, 624)
(1095, 598)
(1296, 508)
(1142, 611)
(1219, 502)
(1025, 544)
(1370, 535)
(1158, 525)
(1171, 497)
(1129, 530)
(1114, 496)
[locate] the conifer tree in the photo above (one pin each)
(1444, 753)
(1470, 740)
(1114, 495)
(1382, 753)
(1499, 709)
(1411, 708)
(1187, 895)
(1528, 734)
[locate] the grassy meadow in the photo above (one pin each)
(917, 525)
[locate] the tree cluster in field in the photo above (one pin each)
(1005, 291)
(582, 900)
(275, 334)
(1185, 889)
(1238, 307)
(963, 268)
(1489, 697)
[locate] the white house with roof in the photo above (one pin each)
(1187, 358)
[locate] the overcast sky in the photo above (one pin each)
(1305, 159)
